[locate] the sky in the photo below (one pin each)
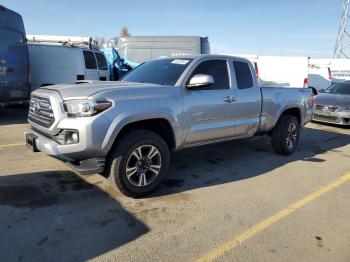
(264, 27)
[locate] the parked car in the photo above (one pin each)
(333, 106)
(280, 71)
(135, 50)
(14, 63)
(65, 59)
(125, 130)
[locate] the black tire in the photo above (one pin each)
(122, 154)
(280, 135)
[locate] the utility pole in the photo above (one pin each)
(342, 46)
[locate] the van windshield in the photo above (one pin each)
(160, 72)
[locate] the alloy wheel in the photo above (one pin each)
(143, 165)
(292, 135)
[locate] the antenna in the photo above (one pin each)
(342, 46)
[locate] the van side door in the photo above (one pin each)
(249, 99)
(103, 72)
(209, 111)
(91, 71)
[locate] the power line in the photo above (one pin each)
(342, 45)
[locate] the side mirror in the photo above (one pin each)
(321, 90)
(201, 81)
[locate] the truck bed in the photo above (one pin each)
(277, 99)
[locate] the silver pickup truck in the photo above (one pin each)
(126, 130)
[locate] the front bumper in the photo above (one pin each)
(338, 118)
(52, 148)
(85, 156)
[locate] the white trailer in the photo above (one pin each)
(280, 71)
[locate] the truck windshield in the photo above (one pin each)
(160, 72)
(340, 88)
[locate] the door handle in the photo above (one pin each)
(229, 99)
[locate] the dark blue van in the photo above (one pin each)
(14, 62)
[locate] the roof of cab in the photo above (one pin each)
(200, 56)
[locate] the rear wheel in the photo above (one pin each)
(285, 135)
(139, 163)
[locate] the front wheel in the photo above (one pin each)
(285, 135)
(139, 163)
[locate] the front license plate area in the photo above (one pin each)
(323, 113)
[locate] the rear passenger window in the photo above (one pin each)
(90, 61)
(243, 75)
(218, 70)
(101, 61)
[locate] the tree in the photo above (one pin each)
(124, 32)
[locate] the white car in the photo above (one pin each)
(64, 60)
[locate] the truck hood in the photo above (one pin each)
(333, 100)
(89, 89)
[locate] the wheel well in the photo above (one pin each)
(159, 126)
(294, 112)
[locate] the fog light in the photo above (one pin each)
(71, 137)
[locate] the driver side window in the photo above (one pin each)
(218, 70)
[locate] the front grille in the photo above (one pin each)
(40, 111)
(326, 108)
(325, 118)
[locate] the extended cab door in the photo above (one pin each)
(91, 71)
(248, 99)
(209, 111)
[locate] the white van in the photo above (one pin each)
(320, 76)
(324, 72)
(283, 71)
(280, 71)
(340, 69)
(62, 59)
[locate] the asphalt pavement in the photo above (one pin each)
(233, 201)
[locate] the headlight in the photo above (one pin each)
(84, 108)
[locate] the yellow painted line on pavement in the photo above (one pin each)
(230, 245)
(12, 145)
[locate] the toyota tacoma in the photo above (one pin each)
(126, 130)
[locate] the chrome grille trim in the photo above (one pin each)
(330, 108)
(40, 111)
